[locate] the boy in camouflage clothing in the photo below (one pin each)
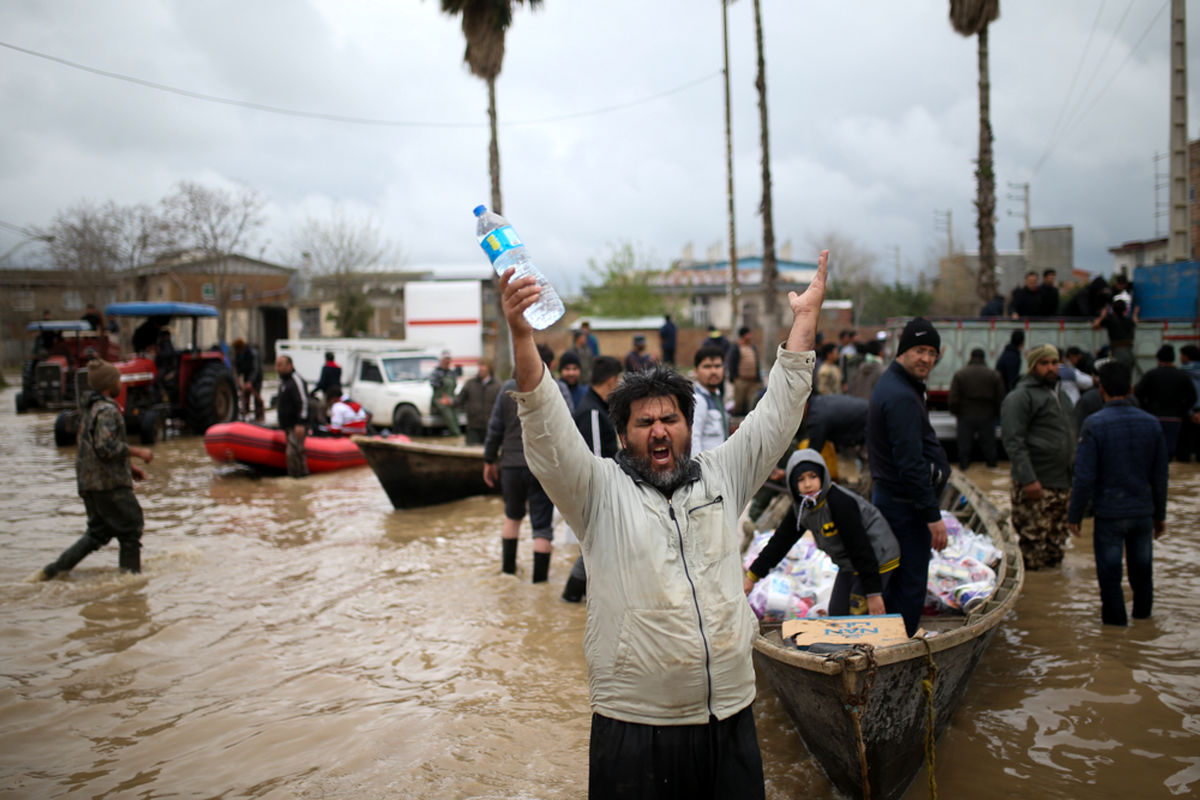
(105, 476)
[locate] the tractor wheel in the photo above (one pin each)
(406, 420)
(22, 404)
(211, 398)
(153, 426)
(66, 428)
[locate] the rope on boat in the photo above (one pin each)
(930, 737)
(856, 701)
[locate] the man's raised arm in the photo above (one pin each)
(516, 295)
(807, 309)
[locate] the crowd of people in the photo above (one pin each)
(652, 465)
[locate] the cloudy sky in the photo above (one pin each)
(612, 120)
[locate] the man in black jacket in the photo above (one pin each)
(1009, 362)
(597, 429)
(908, 466)
(976, 393)
(292, 411)
(1169, 394)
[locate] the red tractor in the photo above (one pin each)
(161, 383)
(60, 348)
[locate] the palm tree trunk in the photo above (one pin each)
(735, 291)
(769, 272)
(503, 358)
(985, 176)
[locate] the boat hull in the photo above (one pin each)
(417, 474)
(265, 448)
(814, 689)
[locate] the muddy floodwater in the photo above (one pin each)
(300, 638)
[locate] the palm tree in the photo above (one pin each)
(971, 18)
(484, 24)
(735, 291)
(769, 271)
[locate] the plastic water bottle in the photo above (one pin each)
(505, 249)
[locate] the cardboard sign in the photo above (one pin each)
(880, 630)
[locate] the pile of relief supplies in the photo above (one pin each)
(961, 577)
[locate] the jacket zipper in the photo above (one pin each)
(696, 602)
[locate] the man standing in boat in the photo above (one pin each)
(292, 413)
(669, 636)
(909, 468)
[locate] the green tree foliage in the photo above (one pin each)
(353, 313)
(876, 302)
(623, 286)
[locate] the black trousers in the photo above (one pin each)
(717, 761)
(968, 429)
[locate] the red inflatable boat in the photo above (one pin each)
(266, 448)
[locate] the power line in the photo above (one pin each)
(1096, 98)
(292, 112)
(1078, 68)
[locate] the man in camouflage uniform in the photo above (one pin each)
(444, 381)
(1038, 428)
(105, 477)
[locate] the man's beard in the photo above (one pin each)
(1049, 380)
(666, 482)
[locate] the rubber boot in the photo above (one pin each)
(83, 547)
(541, 567)
(508, 558)
(574, 590)
(130, 559)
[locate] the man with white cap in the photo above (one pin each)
(105, 476)
(1038, 428)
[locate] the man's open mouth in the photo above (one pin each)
(660, 455)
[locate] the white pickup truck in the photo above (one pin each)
(389, 378)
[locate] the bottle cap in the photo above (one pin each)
(479, 210)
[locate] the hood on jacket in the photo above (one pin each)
(799, 457)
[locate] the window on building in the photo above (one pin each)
(310, 321)
(160, 291)
(238, 292)
(699, 311)
(208, 292)
(22, 300)
(750, 315)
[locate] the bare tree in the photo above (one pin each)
(345, 246)
(770, 271)
(217, 223)
(972, 18)
(95, 241)
(852, 266)
(484, 25)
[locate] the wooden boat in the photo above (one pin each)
(265, 448)
(421, 474)
(824, 693)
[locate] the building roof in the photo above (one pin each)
(1138, 244)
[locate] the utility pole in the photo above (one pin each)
(735, 291)
(1162, 180)
(1178, 248)
(1027, 246)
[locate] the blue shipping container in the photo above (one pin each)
(1167, 290)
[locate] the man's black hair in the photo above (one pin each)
(1074, 350)
(874, 347)
(658, 381)
(826, 349)
(603, 368)
(1017, 338)
(1165, 354)
(1191, 351)
(708, 351)
(1031, 272)
(328, 355)
(546, 354)
(1115, 379)
(742, 331)
(1049, 271)
(978, 354)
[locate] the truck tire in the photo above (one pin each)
(211, 398)
(22, 404)
(153, 426)
(66, 428)
(406, 420)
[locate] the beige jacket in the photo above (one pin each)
(669, 631)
